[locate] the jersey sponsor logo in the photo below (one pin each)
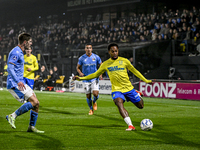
(26, 63)
(115, 68)
(89, 64)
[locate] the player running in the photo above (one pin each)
(89, 63)
(16, 86)
(122, 88)
(30, 66)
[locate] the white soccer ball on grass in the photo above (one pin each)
(146, 124)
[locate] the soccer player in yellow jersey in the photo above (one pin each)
(30, 66)
(122, 88)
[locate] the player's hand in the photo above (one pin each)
(21, 86)
(75, 78)
(81, 74)
(100, 77)
(149, 82)
(29, 69)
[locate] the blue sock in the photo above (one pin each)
(24, 108)
(89, 101)
(33, 118)
(95, 98)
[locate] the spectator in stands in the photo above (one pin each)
(162, 20)
(197, 36)
(42, 76)
(160, 38)
(165, 37)
(192, 18)
(147, 35)
(142, 38)
(189, 34)
(183, 32)
(195, 11)
(154, 35)
(165, 29)
(172, 26)
(53, 76)
(170, 34)
(196, 26)
(177, 36)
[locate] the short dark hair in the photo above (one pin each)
(112, 44)
(23, 37)
(88, 44)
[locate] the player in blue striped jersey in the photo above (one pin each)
(17, 87)
(89, 63)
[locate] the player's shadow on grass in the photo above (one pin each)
(45, 142)
(100, 126)
(165, 136)
(58, 111)
(108, 117)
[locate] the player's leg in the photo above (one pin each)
(95, 98)
(119, 102)
(119, 99)
(140, 104)
(19, 95)
(89, 97)
(34, 114)
(135, 98)
(95, 91)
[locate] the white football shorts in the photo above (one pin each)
(22, 96)
(89, 87)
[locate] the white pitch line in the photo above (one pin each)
(188, 106)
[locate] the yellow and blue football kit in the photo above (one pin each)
(30, 62)
(117, 72)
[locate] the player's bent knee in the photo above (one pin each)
(141, 107)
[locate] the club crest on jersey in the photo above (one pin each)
(14, 58)
(93, 59)
(120, 62)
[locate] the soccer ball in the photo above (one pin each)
(146, 124)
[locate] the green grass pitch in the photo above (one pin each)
(67, 125)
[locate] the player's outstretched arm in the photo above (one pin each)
(76, 78)
(138, 74)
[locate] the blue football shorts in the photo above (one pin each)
(132, 96)
(29, 82)
(22, 96)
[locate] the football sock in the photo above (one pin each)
(33, 118)
(89, 101)
(14, 115)
(24, 108)
(128, 121)
(95, 98)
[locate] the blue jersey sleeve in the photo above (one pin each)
(80, 61)
(12, 73)
(15, 67)
(99, 60)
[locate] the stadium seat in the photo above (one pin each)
(61, 80)
(48, 77)
(36, 77)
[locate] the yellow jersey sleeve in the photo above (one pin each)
(136, 72)
(30, 62)
(96, 74)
